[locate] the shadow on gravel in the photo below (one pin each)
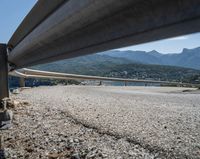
(2, 154)
(160, 152)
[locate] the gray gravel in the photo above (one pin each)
(109, 122)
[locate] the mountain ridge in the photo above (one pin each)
(107, 66)
(189, 58)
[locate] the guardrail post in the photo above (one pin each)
(4, 92)
(22, 82)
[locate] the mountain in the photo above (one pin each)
(187, 58)
(123, 67)
(127, 64)
(136, 56)
(89, 65)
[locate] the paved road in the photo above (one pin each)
(162, 120)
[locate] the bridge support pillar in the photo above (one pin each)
(22, 82)
(100, 83)
(4, 92)
(125, 83)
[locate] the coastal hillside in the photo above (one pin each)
(104, 65)
(189, 58)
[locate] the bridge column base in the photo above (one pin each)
(5, 115)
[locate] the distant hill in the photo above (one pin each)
(127, 64)
(189, 58)
(104, 65)
(89, 65)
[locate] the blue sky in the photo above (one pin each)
(172, 45)
(12, 12)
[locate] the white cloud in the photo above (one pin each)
(179, 38)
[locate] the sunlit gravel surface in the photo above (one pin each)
(163, 122)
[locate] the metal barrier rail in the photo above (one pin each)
(73, 28)
(30, 73)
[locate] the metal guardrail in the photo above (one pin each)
(30, 73)
(73, 28)
(41, 10)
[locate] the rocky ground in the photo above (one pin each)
(78, 122)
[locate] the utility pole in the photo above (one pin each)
(4, 92)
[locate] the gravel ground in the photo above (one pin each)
(105, 122)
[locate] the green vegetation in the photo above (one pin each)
(103, 65)
(156, 72)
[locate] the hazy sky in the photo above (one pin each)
(12, 13)
(172, 45)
